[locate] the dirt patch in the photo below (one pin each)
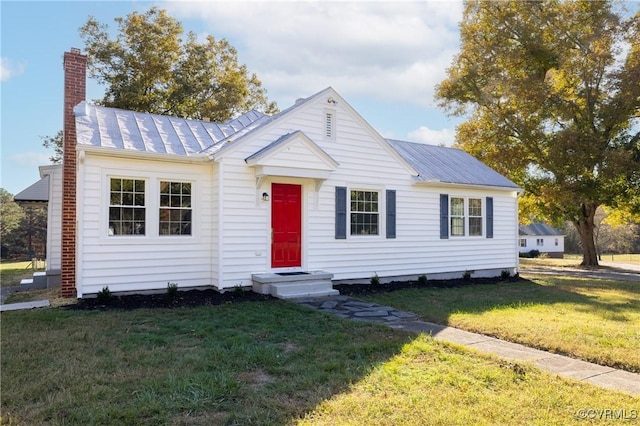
(256, 379)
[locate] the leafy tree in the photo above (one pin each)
(552, 94)
(21, 229)
(55, 143)
(10, 214)
(149, 68)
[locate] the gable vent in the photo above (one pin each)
(329, 125)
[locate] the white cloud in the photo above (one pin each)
(29, 159)
(9, 69)
(429, 136)
(395, 51)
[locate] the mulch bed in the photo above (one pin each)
(190, 298)
(210, 297)
(358, 289)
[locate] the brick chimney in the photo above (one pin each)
(75, 87)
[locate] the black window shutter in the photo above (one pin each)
(489, 217)
(444, 216)
(341, 213)
(391, 213)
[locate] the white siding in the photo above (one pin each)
(364, 164)
(149, 262)
(54, 216)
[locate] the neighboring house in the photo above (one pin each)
(543, 238)
(285, 204)
(48, 190)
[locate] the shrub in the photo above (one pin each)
(422, 279)
(104, 295)
(375, 279)
(172, 290)
(467, 275)
(238, 290)
(505, 275)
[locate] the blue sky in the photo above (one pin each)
(384, 58)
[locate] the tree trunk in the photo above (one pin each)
(586, 227)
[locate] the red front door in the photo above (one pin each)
(286, 225)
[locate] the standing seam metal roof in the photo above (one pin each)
(105, 127)
(448, 165)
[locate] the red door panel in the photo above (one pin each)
(286, 225)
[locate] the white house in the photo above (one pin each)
(286, 204)
(543, 238)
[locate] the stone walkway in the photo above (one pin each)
(349, 308)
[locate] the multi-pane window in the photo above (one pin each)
(457, 217)
(364, 213)
(523, 242)
(175, 208)
(127, 213)
(540, 241)
(465, 216)
(475, 217)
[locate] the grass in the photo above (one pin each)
(11, 273)
(573, 260)
(624, 258)
(266, 363)
(432, 384)
(595, 320)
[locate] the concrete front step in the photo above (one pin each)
(290, 286)
(291, 290)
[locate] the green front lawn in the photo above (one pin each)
(595, 320)
(265, 363)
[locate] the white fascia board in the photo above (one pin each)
(119, 153)
(291, 172)
(435, 182)
(48, 169)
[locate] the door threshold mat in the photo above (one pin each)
(284, 274)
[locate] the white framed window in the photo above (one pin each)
(127, 209)
(556, 242)
(364, 212)
(457, 217)
(466, 217)
(523, 242)
(175, 212)
(475, 217)
(540, 241)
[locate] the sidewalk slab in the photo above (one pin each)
(571, 367)
(510, 351)
(24, 305)
(618, 380)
